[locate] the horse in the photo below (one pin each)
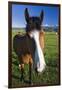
(28, 46)
(42, 40)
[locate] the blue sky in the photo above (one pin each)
(51, 14)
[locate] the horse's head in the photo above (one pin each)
(33, 28)
(33, 22)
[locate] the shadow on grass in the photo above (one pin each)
(52, 63)
(16, 77)
(21, 80)
(15, 63)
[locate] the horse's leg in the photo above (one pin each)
(22, 71)
(30, 67)
(21, 66)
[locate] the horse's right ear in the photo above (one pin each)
(26, 15)
(41, 16)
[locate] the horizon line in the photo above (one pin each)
(42, 25)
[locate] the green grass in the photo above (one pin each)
(51, 74)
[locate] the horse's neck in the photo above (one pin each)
(40, 62)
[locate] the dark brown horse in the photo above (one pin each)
(28, 47)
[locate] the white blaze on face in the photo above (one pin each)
(39, 57)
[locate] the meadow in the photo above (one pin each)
(50, 76)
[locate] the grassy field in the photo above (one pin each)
(51, 74)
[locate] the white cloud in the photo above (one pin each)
(46, 25)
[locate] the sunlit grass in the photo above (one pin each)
(50, 75)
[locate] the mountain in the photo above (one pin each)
(46, 28)
(51, 28)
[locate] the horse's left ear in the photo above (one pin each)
(26, 15)
(41, 16)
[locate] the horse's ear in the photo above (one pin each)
(41, 16)
(26, 15)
